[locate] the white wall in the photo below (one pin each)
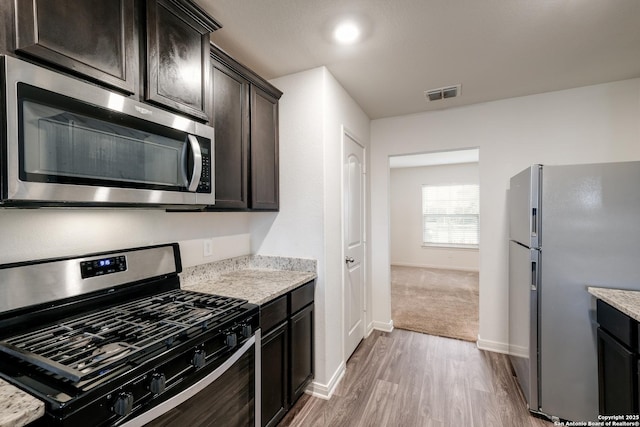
(298, 229)
(313, 110)
(341, 113)
(406, 217)
(29, 234)
(598, 123)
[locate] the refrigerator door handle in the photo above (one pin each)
(535, 261)
(534, 221)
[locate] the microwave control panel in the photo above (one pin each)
(205, 179)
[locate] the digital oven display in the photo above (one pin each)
(102, 266)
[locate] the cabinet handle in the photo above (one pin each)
(349, 260)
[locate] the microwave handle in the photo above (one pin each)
(192, 184)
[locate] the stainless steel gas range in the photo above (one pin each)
(111, 339)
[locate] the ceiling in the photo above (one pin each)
(495, 49)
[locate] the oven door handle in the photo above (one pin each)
(193, 182)
(189, 392)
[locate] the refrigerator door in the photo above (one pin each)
(523, 318)
(524, 207)
(591, 226)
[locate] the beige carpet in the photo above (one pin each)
(435, 302)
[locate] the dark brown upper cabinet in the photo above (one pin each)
(245, 119)
(230, 118)
(178, 77)
(265, 194)
(94, 38)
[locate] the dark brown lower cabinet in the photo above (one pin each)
(301, 326)
(287, 351)
(618, 378)
(274, 375)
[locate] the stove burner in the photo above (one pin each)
(105, 354)
(79, 341)
(112, 351)
(93, 344)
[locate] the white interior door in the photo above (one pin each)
(354, 243)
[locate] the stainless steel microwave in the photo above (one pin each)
(68, 142)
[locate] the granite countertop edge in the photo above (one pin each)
(626, 301)
(255, 278)
(18, 408)
(257, 286)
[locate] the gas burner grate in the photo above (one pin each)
(94, 344)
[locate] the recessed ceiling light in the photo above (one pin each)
(347, 33)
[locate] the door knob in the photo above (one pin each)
(349, 260)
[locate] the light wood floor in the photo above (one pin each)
(409, 379)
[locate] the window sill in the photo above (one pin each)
(455, 247)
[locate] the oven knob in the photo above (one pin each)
(157, 384)
(231, 340)
(198, 358)
(247, 331)
(123, 404)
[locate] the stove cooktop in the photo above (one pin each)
(91, 345)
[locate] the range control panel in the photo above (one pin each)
(102, 266)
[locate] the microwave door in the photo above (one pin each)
(105, 162)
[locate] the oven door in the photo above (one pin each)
(71, 142)
(228, 396)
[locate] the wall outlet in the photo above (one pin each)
(207, 247)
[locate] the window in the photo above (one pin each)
(450, 215)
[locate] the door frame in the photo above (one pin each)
(344, 133)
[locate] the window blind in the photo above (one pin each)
(450, 215)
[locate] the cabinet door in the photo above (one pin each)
(301, 344)
(274, 375)
(230, 114)
(94, 38)
(264, 150)
(178, 55)
(618, 393)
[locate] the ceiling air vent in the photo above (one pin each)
(443, 92)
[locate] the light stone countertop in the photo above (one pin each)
(627, 302)
(18, 408)
(255, 278)
(258, 286)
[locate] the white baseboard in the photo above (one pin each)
(519, 351)
(441, 267)
(383, 326)
(368, 330)
(495, 346)
(325, 391)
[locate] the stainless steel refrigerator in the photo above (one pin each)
(570, 227)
